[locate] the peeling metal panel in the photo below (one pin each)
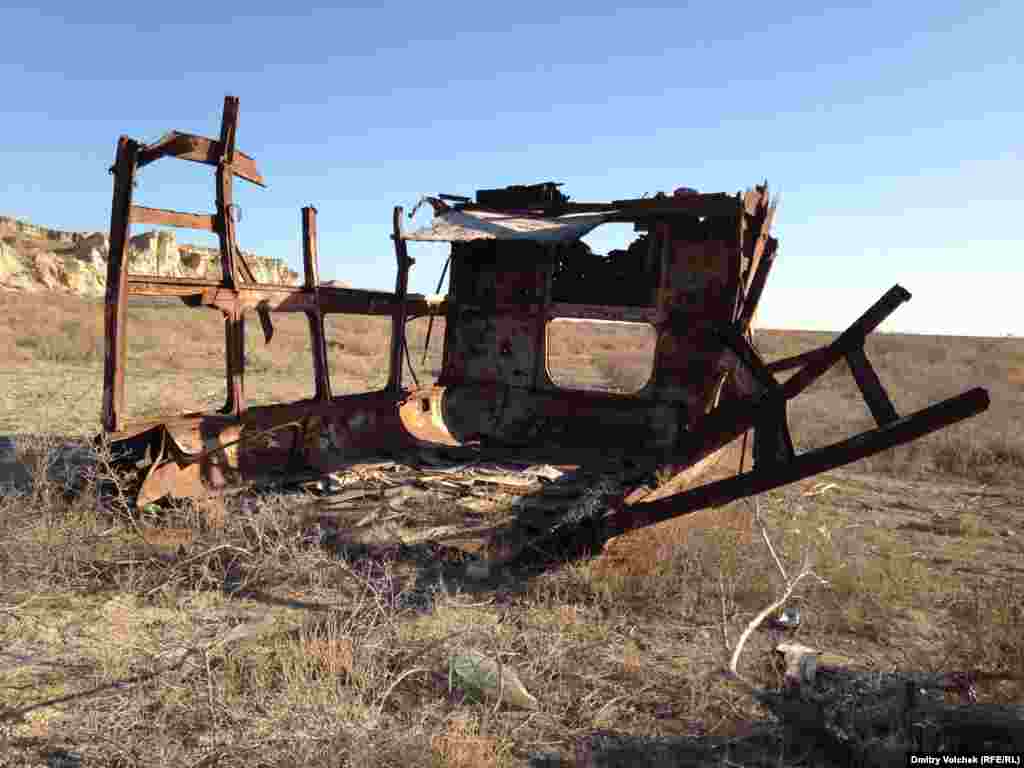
(460, 227)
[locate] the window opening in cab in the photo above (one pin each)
(428, 370)
(600, 355)
(613, 265)
(281, 371)
(357, 352)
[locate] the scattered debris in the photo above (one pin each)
(821, 488)
(484, 677)
(801, 663)
(788, 620)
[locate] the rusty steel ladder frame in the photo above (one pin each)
(235, 270)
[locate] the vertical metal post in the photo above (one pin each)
(311, 270)
(234, 338)
(115, 303)
(234, 324)
(398, 318)
(225, 178)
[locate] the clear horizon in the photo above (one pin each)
(890, 131)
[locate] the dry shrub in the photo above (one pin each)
(988, 635)
(71, 344)
(918, 371)
(600, 355)
(51, 327)
(328, 662)
(980, 458)
(625, 375)
(689, 574)
(643, 552)
(357, 352)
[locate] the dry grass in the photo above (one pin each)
(224, 633)
(918, 371)
(223, 628)
(589, 355)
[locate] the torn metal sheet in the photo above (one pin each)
(496, 434)
(454, 226)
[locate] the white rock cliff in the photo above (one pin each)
(35, 259)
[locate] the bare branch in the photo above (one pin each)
(756, 621)
(790, 586)
(768, 541)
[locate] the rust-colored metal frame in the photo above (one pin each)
(709, 386)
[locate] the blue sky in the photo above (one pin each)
(894, 131)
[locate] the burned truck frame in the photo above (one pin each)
(695, 274)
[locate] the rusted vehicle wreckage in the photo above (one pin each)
(695, 273)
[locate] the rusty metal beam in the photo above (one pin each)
(158, 216)
(772, 440)
(404, 263)
(247, 299)
(311, 275)
(225, 224)
(282, 298)
(871, 387)
(245, 269)
(917, 424)
(796, 361)
(234, 359)
(851, 338)
(730, 419)
(116, 293)
(199, 149)
(713, 203)
(310, 256)
(749, 356)
(604, 312)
